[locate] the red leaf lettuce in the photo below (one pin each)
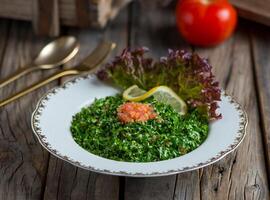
(186, 73)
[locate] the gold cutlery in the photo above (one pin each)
(89, 65)
(52, 55)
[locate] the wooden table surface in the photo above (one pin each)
(241, 64)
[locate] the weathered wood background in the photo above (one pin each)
(48, 15)
(241, 64)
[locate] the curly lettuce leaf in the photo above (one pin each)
(186, 73)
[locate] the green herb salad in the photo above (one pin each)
(150, 126)
(97, 129)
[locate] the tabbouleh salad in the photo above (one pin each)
(149, 130)
(98, 129)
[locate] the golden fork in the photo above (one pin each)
(89, 65)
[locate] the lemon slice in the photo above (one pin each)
(134, 93)
(163, 94)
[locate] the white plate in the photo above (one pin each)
(52, 118)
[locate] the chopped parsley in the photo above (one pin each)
(98, 130)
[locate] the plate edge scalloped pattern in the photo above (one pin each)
(42, 139)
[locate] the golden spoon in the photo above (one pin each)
(52, 55)
(89, 65)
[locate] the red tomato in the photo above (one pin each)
(205, 22)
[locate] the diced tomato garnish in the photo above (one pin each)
(135, 112)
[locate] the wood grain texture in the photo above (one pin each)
(254, 10)
(153, 26)
(9, 7)
(116, 6)
(241, 174)
(187, 186)
(157, 188)
(261, 49)
(91, 12)
(45, 17)
(23, 162)
(65, 181)
(82, 13)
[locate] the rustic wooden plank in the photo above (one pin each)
(157, 188)
(237, 176)
(23, 162)
(98, 13)
(46, 17)
(4, 27)
(261, 48)
(154, 26)
(65, 181)
(187, 186)
(254, 10)
(116, 6)
(10, 7)
(82, 13)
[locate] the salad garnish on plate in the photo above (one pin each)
(163, 112)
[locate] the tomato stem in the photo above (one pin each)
(206, 2)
